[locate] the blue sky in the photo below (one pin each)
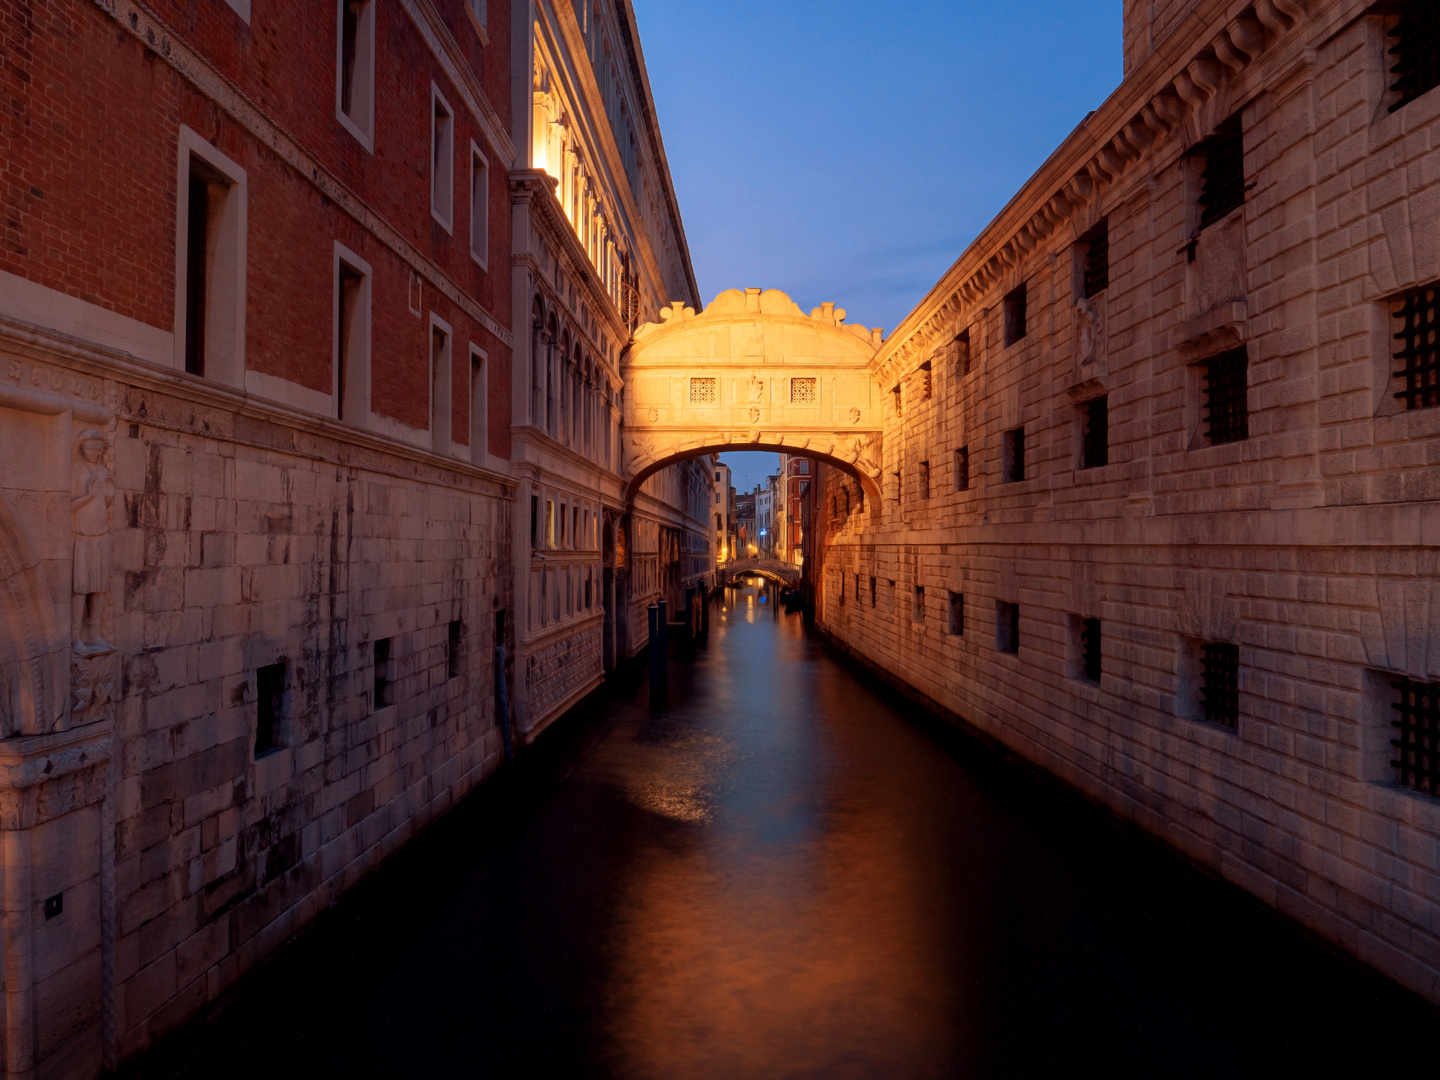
(849, 151)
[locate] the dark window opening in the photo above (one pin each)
(895, 390)
(962, 352)
(899, 487)
(1416, 51)
(1418, 318)
(1227, 408)
(349, 40)
(1007, 627)
(956, 622)
(1097, 259)
(927, 382)
(534, 522)
(924, 480)
(1095, 446)
(347, 303)
(452, 651)
(270, 707)
(919, 612)
(197, 260)
(1417, 735)
(1014, 454)
(1220, 683)
(962, 469)
(1090, 649)
(384, 684)
(1015, 315)
(1222, 184)
(873, 591)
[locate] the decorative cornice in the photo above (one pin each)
(155, 36)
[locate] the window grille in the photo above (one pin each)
(1418, 318)
(1227, 409)
(1015, 456)
(270, 706)
(1222, 186)
(802, 391)
(1015, 315)
(957, 614)
(962, 469)
(1097, 259)
(924, 480)
(962, 352)
(1095, 448)
(1007, 627)
(1417, 729)
(703, 391)
(1220, 683)
(927, 384)
(1090, 648)
(1416, 51)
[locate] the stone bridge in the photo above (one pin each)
(752, 372)
(774, 569)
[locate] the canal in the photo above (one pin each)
(785, 873)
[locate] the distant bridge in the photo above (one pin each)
(774, 569)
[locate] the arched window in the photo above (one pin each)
(564, 388)
(552, 409)
(537, 363)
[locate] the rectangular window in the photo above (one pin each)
(803, 391)
(210, 263)
(479, 207)
(703, 391)
(1007, 627)
(924, 480)
(1416, 51)
(962, 352)
(453, 655)
(352, 337)
(355, 69)
(384, 693)
(1222, 184)
(1220, 682)
(1097, 259)
(1090, 649)
(479, 408)
(1226, 387)
(918, 613)
(962, 469)
(1013, 453)
(439, 386)
(269, 707)
(550, 523)
(1416, 328)
(895, 395)
(1417, 734)
(927, 382)
(955, 623)
(899, 487)
(442, 160)
(1015, 328)
(575, 526)
(1095, 434)
(873, 591)
(534, 522)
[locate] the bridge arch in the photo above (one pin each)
(752, 372)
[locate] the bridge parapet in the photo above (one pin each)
(771, 568)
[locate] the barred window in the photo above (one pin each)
(1015, 328)
(703, 391)
(1417, 734)
(1222, 186)
(1090, 649)
(1097, 259)
(1220, 682)
(802, 391)
(1227, 406)
(1416, 51)
(1095, 444)
(962, 469)
(1417, 319)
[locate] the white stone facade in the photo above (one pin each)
(1309, 544)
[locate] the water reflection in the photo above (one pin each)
(781, 875)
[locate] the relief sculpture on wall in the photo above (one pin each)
(92, 499)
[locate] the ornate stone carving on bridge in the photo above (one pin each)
(752, 371)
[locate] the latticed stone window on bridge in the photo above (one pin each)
(802, 391)
(703, 391)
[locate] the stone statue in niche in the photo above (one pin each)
(755, 388)
(92, 674)
(1088, 331)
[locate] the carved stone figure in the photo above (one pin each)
(754, 415)
(1088, 331)
(755, 388)
(864, 451)
(92, 498)
(854, 414)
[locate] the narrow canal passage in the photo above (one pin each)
(782, 874)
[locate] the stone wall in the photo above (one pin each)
(1309, 543)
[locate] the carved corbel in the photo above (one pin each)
(1169, 108)
(1270, 15)
(1228, 54)
(1112, 162)
(1079, 189)
(1294, 9)
(1205, 74)
(1189, 90)
(1248, 36)
(1138, 134)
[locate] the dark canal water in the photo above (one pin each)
(784, 874)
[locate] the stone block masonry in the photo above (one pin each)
(1217, 626)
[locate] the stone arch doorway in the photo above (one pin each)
(752, 372)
